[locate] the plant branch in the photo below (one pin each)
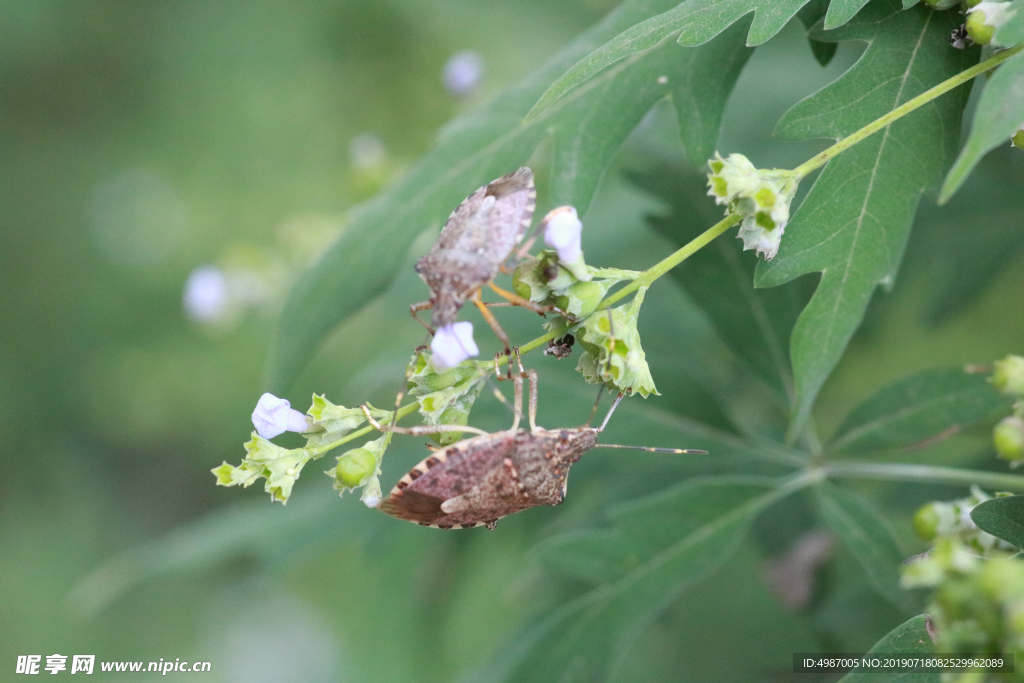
(892, 471)
(819, 160)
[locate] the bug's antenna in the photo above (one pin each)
(692, 451)
(610, 411)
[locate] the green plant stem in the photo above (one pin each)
(318, 451)
(892, 471)
(645, 278)
(819, 160)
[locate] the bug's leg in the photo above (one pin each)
(419, 430)
(518, 381)
(422, 306)
(498, 331)
(611, 410)
(517, 300)
(532, 374)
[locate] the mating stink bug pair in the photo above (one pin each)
(482, 479)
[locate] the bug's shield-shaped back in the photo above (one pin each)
(479, 480)
(477, 238)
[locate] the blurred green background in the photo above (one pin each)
(141, 140)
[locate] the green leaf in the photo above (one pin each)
(910, 637)
(961, 264)
(754, 324)
(841, 11)
(696, 22)
(915, 408)
(853, 225)
(1002, 517)
(999, 114)
(809, 15)
(587, 127)
(660, 546)
(865, 533)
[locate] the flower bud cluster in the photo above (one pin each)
(978, 604)
(760, 197)
(446, 397)
(943, 520)
(324, 424)
(612, 354)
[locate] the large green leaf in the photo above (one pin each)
(853, 225)
(659, 547)
(587, 128)
(915, 408)
(754, 324)
(1002, 517)
(841, 11)
(696, 22)
(865, 533)
(910, 637)
(1000, 112)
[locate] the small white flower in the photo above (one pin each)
(562, 230)
(206, 294)
(453, 344)
(274, 416)
(462, 73)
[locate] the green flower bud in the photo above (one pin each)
(1008, 375)
(1018, 139)
(1008, 438)
(985, 18)
(446, 398)
(926, 522)
(361, 467)
(355, 467)
(980, 32)
(530, 280)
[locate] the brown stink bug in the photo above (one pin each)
(477, 239)
(480, 480)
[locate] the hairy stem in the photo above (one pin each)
(892, 471)
(819, 160)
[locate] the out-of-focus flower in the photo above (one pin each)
(205, 297)
(453, 344)
(562, 230)
(462, 73)
(1008, 375)
(366, 151)
(274, 416)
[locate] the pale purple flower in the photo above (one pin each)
(274, 416)
(453, 344)
(462, 73)
(206, 294)
(562, 230)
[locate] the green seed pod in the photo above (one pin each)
(980, 32)
(926, 522)
(1008, 375)
(1008, 438)
(354, 467)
